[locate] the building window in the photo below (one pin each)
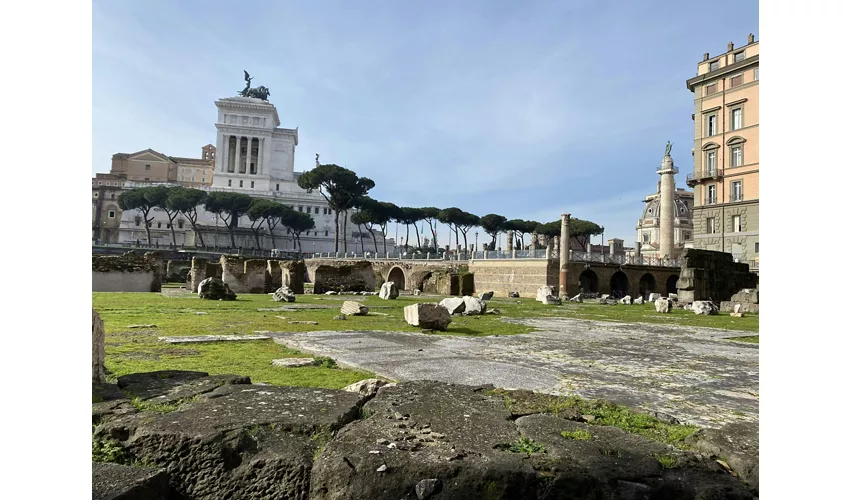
(138, 221)
(301, 208)
(646, 236)
(326, 233)
(204, 180)
(712, 195)
(180, 224)
(150, 224)
(756, 78)
(757, 247)
(99, 183)
(240, 183)
(147, 167)
(159, 224)
(96, 194)
(168, 226)
(711, 225)
(111, 196)
(714, 65)
(229, 183)
(739, 56)
(111, 214)
(147, 178)
(686, 235)
(737, 193)
(711, 162)
(736, 224)
(277, 187)
(736, 80)
(317, 211)
(252, 183)
(711, 89)
(737, 156)
(712, 125)
(737, 118)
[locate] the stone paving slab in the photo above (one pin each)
(212, 338)
(690, 373)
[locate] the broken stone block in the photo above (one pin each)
(474, 306)
(552, 300)
(663, 305)
(294, 362)
(350, 307)
(417, 292)
(578, 298)
(705, 307)
(485, 295)
(653, 297)
(513, 295)
(455, 305)
(284, 294)
(638, 301)
(428, 316)
(98, 352)
(672, 296)
(367, 387)
(736, 315)
(215, 289)
(121, 482)
(543, 292)
(627, 300)
(388, 291)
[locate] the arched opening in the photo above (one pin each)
(619, 284)
(396, 275)
(589, 281)
(646, 285)
(671, 283)
(424, 285)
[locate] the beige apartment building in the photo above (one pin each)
(726, 152)
(151, 166)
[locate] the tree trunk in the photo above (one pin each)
(257, 239)
(232, 228)
(374, 240)
(336, 232)
(197, 231)
(271, 232)
(407, 238)
(418, 241)
(173, 233)
(465, 245)
(384, 234)
(345, 232)
(147, 227)
(360, 230)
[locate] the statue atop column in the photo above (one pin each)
(666, 150)
(260, 92)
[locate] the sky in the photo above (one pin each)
(524, 109)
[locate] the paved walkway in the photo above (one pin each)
(689, 373)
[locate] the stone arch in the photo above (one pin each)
(619, 284)
(420, 281)
(646, 285)
(671, 283)
(396, 275)
(589, 281)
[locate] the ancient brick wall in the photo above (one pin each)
(292, 274)
(503, 276)
(127, 273)
(343, 276)
(711, 275)
(243, 275)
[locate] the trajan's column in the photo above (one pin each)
(667, 205)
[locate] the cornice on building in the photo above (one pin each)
(712, 75)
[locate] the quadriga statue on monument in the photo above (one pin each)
(260, 92)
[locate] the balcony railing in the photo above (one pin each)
(699, 175)
(710, 201)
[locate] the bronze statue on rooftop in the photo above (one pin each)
(260, 92)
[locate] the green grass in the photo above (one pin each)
(667, 461)
(138, 350)
(752, 339)
(578, 435)
(605, 413)
(524, 445)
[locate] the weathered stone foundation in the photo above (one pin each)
(130, 272)
(710, 275)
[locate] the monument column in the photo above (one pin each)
(260, 142)
(565, 254)
(226, 153)
(667, 204)
(238, 156)
(509, 247)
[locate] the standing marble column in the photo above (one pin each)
(565, 254)
(510, 244)
(238, 156)
(667, 207)
(260, 146)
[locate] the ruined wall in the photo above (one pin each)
(343, 276)
(243, 275)
(711, 275)
(178, 270)
(130, 272)
(292, 274)
(503, 276)
(202, 269)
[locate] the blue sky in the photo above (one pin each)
(525, 109)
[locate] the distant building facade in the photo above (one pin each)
(726, 152)
(649, 225)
